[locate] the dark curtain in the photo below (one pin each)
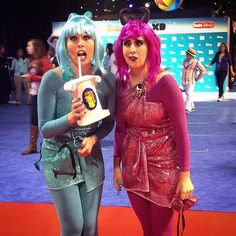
(21, 21)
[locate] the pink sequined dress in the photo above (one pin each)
(150, 163)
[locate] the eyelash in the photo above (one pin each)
(85, 38)
(137, 43)
(126, 43)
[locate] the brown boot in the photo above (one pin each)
(32, 148)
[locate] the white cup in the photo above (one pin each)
(84, 88)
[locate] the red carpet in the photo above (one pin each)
(30, 219)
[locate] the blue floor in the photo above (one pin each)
(212, 130)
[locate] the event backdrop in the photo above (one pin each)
(177, 35)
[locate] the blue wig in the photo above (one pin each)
(79, 24)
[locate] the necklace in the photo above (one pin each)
(140, 89)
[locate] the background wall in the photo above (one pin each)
(177, 35)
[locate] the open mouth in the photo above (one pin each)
(133, 58)
(82, 54)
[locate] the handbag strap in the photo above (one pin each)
(181, 218)
(36, 164)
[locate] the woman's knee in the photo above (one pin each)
(72, 229)
(90, 232)
(90, 226)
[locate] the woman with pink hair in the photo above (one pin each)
(152, 149)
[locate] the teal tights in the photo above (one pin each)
(77, 209)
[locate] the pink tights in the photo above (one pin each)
(155, 220)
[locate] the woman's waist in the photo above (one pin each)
(150, 132)
(74, 134)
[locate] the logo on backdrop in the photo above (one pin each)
(158, 26)
(204, 24)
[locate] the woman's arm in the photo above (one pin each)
(13, 64)
(172, 99)
(213, 61)
(169, 94)
(118, 138)
(50, 125)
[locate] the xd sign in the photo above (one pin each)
(158, 26)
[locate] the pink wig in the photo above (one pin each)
(134, 29)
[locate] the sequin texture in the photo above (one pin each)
(149, 158)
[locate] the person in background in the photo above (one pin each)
(193, 71)
(223, 61)
(39, 64)
(20, 66)
(5, 83)
(113, 65)
(151, 146)
(106, 59)
(52, 40)
(71, 154)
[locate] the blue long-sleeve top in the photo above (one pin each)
(20, 66)
(223, 63)
(54, 104)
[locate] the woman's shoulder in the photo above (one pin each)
(44, 60)
(163, 75)
(54, 73)
(164, 80)
(166, 86)
(14, 59)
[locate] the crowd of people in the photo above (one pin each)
(150, 160)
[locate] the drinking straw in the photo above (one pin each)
(79, 67)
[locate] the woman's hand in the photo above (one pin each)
(27, 76)
(185, 186)
(87, 146)
(117, 179)
(77, 111)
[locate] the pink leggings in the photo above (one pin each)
(155, 220)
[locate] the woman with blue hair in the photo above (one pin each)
(71, 154)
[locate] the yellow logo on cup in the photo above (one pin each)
(89, 99)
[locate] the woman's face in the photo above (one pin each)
(30, 48)
(20, 53)
(135, 52)
(222, 47)
(81, 45)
